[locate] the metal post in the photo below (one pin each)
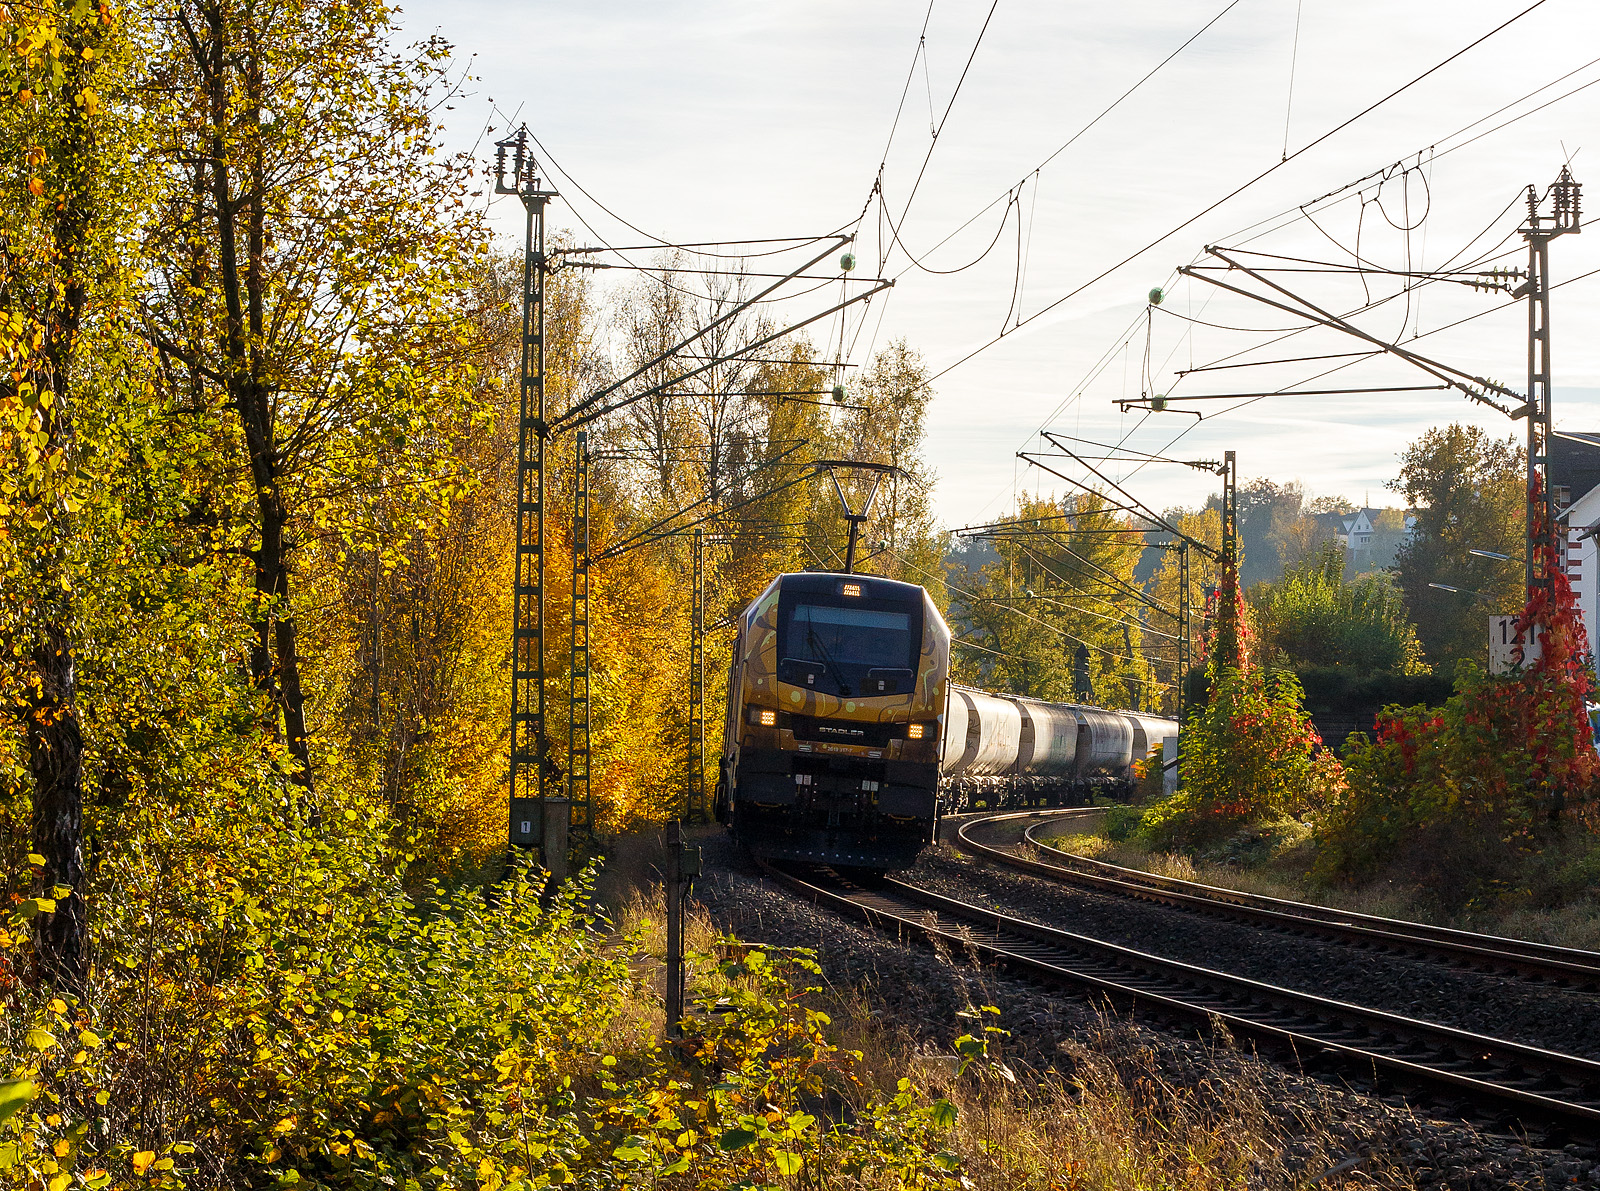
(578, 719)
(683, 866)
(529, 744)
(1185, 648)
(1230, 510)
(696, 808)
(850, 549)
(674, 894)
(1565, 216)
(1538, 517)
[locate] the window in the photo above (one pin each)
(854, 637)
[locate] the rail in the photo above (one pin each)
(1515, 1080)
(1568, 966)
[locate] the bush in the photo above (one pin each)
(1311, 617)
(1503, 764)
(348, 1037)
(1121, 822)
(1250, 755)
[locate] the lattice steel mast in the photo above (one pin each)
(578, 720)
(529, 744)
(1565, 216)
(696, 808)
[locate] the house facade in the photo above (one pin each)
(1575, 484)
(1367, 546)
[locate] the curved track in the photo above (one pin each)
(1567, 966)
(1504, 1083)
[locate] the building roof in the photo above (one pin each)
(1575, 461)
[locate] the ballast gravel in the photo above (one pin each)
(1533, 1012)
(925, 993)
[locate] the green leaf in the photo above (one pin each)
(944, 1114)
(35, 906)
(970, 1047)
(631, 1150)
(788, 1164)
(947, 1162)
(39, 1039)
(736, 1139)
(14, 1093)
(677, 1166)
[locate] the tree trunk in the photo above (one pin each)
(274, 657)
(54, 737)
(55, 757)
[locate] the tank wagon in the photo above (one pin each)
(845, 739)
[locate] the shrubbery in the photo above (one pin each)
(343, 1036)
(1497, 770)
(1251, 755)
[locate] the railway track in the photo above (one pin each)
(1564, 966)
(1509, 1084)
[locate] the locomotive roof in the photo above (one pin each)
(827, 582)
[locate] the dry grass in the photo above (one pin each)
(1576, 924)
(1118, 1123)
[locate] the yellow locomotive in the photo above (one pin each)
(835, 721)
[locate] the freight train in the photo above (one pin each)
(846, 740)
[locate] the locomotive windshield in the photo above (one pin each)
(848, 647)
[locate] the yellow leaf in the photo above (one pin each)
(142, 1160)
(57, 1005)
(35, 187)
(59, 1183)
(39, 1039)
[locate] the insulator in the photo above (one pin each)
(847, 262)
(1156, 296)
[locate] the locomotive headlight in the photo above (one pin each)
(765, 717)
(914, 731)
(852, 589)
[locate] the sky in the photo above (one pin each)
(719, 121)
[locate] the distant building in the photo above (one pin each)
(1575, 486)
(1368, 546)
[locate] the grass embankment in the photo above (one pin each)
(1552, 897)
(1118, 1122)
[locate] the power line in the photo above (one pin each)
(1106, 111)
(1272, 169)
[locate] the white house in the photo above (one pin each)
(1356, 531)
(1575, 485)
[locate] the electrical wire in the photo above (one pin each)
(1272, 169)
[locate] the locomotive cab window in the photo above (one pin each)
(848, 645)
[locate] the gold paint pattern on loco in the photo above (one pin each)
(924, 701)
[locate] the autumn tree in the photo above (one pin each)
(1059, 615)
(311, 256)
(1467, 492)
(70, 139)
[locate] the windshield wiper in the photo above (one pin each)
(827, 659)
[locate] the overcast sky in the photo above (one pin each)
(716, 120)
